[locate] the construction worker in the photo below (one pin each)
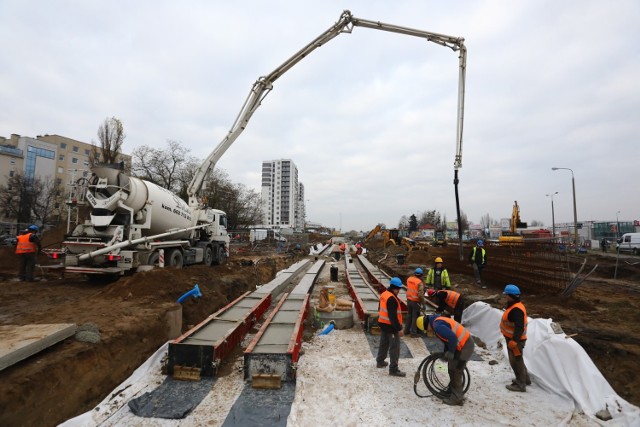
(438, 277)
(478, 260)
(513, 327)
(450, 301)
(458, 348)
(415, 299)
(27, 248)
(390, 322)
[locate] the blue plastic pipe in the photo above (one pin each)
(328, 329)
(195, 292)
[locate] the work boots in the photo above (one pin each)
(397, 373)
(382, 364)
(456, 397)
(516, 387)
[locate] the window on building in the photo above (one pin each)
(13, 160)
(75, 149)
(60, 170)
(63, 145)
(61, 157)
(11, 173)
(86, 163)
(87, 152)
(59, 181)
(74, 160)
(85, 173)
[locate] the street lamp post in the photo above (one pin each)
(575, 211)
(553, 217)
(617, 226)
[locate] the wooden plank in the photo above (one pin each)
(19, 342)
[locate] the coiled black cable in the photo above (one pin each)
(429, 373)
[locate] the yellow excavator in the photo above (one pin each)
(512, 237)
(372, 233)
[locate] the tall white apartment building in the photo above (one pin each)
(282, 195)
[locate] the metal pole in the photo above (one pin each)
(575, 211)
(553, 218)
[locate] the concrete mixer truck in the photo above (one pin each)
(134, 223)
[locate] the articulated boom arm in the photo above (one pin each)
(263, 86)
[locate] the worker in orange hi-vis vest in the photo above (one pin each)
(415, 299)
(458, 349)
(449, 301)
(27, 249)
(513, 327)
(390, 322)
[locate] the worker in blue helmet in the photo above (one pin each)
(478, 260)
(513, 327)
(390, 323)
(415, 300)
(27, 248)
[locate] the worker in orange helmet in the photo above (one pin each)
(390, 322)
(513, 327)
(450, 301)
(438, 277)
(458, 349)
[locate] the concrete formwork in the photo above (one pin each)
(275, 349)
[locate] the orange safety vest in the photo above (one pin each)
(452, 298)
(413, 288)
(383, 313)
(507, 327)
(462, 334)
(24, 246)
(342, 247)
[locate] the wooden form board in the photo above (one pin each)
(19, 342)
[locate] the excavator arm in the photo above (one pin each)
(263, 86)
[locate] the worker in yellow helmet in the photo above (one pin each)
(438, 277)
(458, 348)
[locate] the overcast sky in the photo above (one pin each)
(370, 117)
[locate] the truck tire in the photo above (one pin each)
(220, 256)
(153, 259)
(175, 259)
(208, 256)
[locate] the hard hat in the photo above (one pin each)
(33, 228)
(418, 270)
(480, 242)
(438, 260)
(396, 282)
(421, 324)
(431, 292)
(511, 290)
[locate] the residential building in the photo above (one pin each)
(48, 157)
(282, 195)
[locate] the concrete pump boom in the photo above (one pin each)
(263, 86)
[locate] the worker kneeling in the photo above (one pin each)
(458, 348)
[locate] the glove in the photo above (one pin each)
(513, 346)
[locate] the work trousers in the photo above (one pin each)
(518, 366)
(456, 369)
(27, 265)
(389, 343)
(413, 311)
(477, 271)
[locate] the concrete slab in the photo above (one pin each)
(19, 342)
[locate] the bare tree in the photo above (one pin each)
(111, 137)
(169, 168)
(30, 200)
(403, 223)
(536, 223)
(242, 205)
(464, 221)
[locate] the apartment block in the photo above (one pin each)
(282, 195)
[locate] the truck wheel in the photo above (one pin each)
(220, 256)
(175, 259)
(208, 256)
(153, 259)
